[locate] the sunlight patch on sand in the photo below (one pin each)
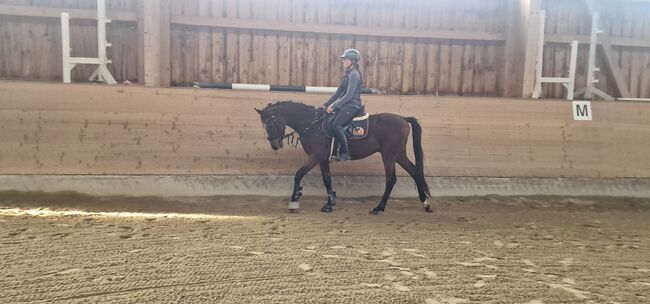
(44, 212)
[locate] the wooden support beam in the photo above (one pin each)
(140, 16)
(605, 46)
(151, 36)
(530, 55)
(49, 12)
(165, 43)
(154, 38)
(612, 67)
(515, 47)
(334, 29)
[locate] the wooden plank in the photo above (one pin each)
(140, 16)
(213, 124)
(297, 45)
(361, 18)
(478, 84)
(165, 43)
(372, 72)
(49, 12)
(204, 44)
(530, 54)
(516, 16)
(191, 46)
(613, 67)
(408, 72)
(232, 43)
(456, 66)
(310, 49)
(258, 59)
(397, 51)
(420, 58)
(245, 49)
(420, 70)
(433, 69)
(348, 18)
(270, 51)
(492, 84)
(324, 53)
(284, 46)
(4, 47)
(335, 29)
(218, 44)
(175, 46)
(336, 45)
(151, 55)
(645, 76)
(635, 55)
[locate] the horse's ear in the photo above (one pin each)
(258, 111)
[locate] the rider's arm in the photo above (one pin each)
(334, 97)
(354, 79)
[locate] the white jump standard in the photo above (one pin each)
(101, 73)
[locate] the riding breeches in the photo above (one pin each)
(343, 116)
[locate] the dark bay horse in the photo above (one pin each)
(388, 135)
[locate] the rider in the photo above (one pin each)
(346, 102)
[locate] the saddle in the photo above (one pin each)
(358, 128)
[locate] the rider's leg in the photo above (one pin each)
(341, 118)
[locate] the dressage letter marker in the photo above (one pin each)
(581, 110)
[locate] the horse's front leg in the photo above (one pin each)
(327, 180)
(294, 204)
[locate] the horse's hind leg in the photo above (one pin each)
(409, 166)
(391, 178)
(295, 196)
(327, 181)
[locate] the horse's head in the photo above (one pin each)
(274, 125)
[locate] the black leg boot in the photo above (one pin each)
(344, 152)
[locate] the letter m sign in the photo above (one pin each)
(581, 110)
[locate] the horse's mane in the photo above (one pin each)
(286, 102)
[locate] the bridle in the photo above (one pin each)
(292, 140)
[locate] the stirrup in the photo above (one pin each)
(342, 157)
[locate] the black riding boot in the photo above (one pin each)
(344, 152)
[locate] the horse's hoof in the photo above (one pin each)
(375, 212)
(293, 210)
(428, 209)
(326, 209)
(293, 205)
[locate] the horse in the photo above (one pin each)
(388, 135)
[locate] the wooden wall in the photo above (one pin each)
(466, 56)
(394, 64)
(626, 20)
(30, 47)
(92, 129)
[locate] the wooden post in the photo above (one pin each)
(515, 45)
(530, 55)
(140, 20)
(151, 36)
(156, 38)
(65, 46)
(165, 43)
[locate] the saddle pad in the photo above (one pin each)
(358, 128)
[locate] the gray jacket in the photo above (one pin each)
(348, 92)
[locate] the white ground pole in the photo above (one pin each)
(567, 82)
(101, 73)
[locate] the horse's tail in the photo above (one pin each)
(419, 155)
